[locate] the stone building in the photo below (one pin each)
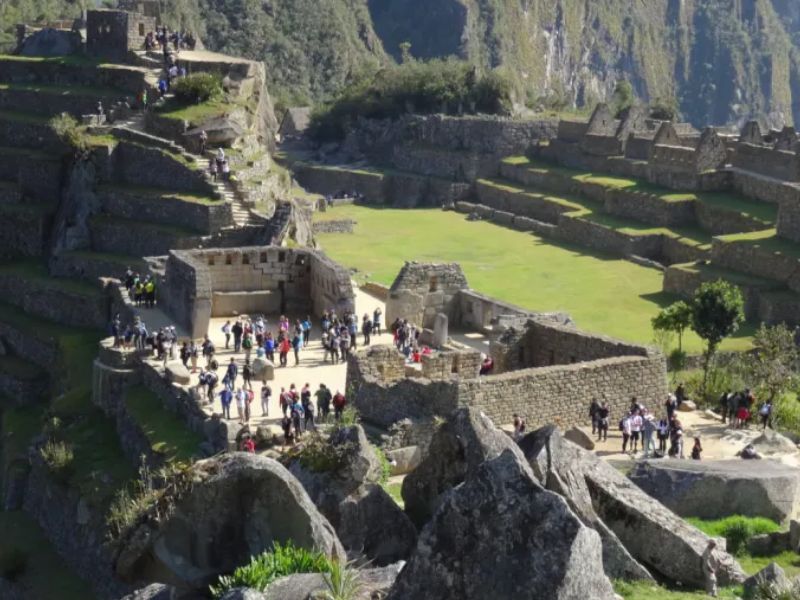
(199, 284)
(110, 34)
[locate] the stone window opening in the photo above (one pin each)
(521, 356)
(141, 29)
(300, 261)
(228, 259)
(281, 256)
(552, 357)
(263, 257)
(572, 360)
(210, 261)
(433, 284)
(245, 259)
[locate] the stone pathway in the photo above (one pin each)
(311, 369)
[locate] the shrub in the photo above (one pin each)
(265, 568)
(448, 86)
(197, 88)
(70, 132)
(386, 467)
(736, 530)
(343, 583)
(58, 457)
(13, 563)
(317, 455)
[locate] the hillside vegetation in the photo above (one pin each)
(720, 60)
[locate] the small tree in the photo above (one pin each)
(676, 318)
(773, 366)
(623, 97)
(717, 312)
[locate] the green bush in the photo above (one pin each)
(197, 88)
(70, 132)
(342, 583)
(267, 567)
(13, 563)
(771, 591)
(58, 457)
(736, 530)
(317, 455)
(448, 86)
(386, 467)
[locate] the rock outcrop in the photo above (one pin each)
(771, 575)
(502, 535)
(637, 530)
(716, 489)
(372, 583)
(369, 523)
(234, 507)
(457, 449)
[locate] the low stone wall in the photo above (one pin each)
(380, 291)
(338, 226)
(16, 133)
(57, 304)
(455, 165)
(598, 237)
(126, 79)
(751, 259)
(525, 204)
(134, 164)
(75, 528)
(719, 221)
(90, 266)
(205, 218)
(323, 179)
(684, 283)
(40, 349)
(763, 188)
(776, 164)
(23, 232)
(649, 208)
(75, 103)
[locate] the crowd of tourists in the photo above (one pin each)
(141, 290)
(218, 165)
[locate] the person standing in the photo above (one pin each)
(306, 325)
(241, 400)
(765, 412)
(266, 395)
(663, 436)
(697, 449)
(710, 567)
(625, 428)
(376, 320)
(366, 329)
(339, 402)
(237, 331)
(648, 433)
(226, 329)
(297, 343)
(247, 374)
(283, 350)
(225, 397)
(203, 141)
(594, 407)
(323, 396)
(636, 429)
(602, 422)
(232, 373)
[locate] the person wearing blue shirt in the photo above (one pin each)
(306, 325)
(226, 397)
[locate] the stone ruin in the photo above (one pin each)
(545, 369)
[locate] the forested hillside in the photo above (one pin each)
(719, 60)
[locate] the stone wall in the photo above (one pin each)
(75, 103)
(571, 131)
(421, 290)
(138, 165)
(789, 219)
(125, 79)
(114, 235)
(202, 217)
(16, 133)
(758, 187)
(23, 232)
(763, 160)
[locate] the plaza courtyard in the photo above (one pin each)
(603, 294)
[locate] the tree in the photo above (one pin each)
(664, 109)
(623, 97)
(772, 367)
(717, 312)
(676, 318)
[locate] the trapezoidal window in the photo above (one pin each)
(141, 29)
(210, 261)
(245, 259)
(263, 257)
(228, 259)
(281, 256)
(433, 284)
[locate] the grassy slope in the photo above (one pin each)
(602, 293)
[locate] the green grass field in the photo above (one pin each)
(602, 293)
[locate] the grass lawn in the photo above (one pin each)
(166, 432)
(193, 113)
(44, 577)
(602, 293)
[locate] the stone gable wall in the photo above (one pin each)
(421, 290)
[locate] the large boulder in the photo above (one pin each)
(368, 521)
(771, 575)
(458, 448)
(227, 510)
(772, 443)
(637, 530)
(502, 535)
(716, 489)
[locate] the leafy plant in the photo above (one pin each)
(736, 530)
(58, 457)
(773, 366)
(386, 467)
(70, 132)
(317, 455)
(717, 312)
(622, 98)
(675, 318)
(197, 88)
(343, 582)
(282, 560)
(771, 591)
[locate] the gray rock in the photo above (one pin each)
(237, 506)
(794, 535)
(635, 528)
(771, 442)
(244, 594)
(769, 544)
(309, 585)
(154, 591)
(50, 42)
(771, 575)
(687, 406)
(177, 373)
(404, 460)
(459, 447)
(715, 489)
(502, 535)
(579, 437)
(369, 523)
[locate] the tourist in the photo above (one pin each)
(297, 343)
(308, 408)
(248, 445)
(226, 397)
(184, 354)
(724, 401)
(297, 414)
(237, 331)
(247, 345)
(376, 320)
(602, 422)
(211, 383)
(208, 351)
(220, 158)
(231, 373)
(163, 87)
(203, 141)
(339, 402)
(306, 325)
(226, 170)
(765, 412)
(241, 399)
(697, 449)
(266, 396)
(286, 425)
(323, 396)
(749, 453)
(676, 439)
(710, 566)
(212, 168)
(594, 407)
(636, 427)
(671, 405)
(366, 329)
(193, 351)
(663, 436)
(269, 347)
(519, 427)
(742, 416)
(283, 350)
(143, 98)
(487, 366)
(226, 329)
(680, 394)
(648, 431)
(625, 428)
(247, 374)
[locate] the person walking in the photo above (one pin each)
(247, 374)
(376, 320)
(765, 412)
(241, 400)
(237, 331)
(226, 329)
(594, 407)
(339, 403)
(323, 396)
(297, 343)
(266, 395)
(226, 397)
(283, 350)
(232, 373)
(648, 434)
